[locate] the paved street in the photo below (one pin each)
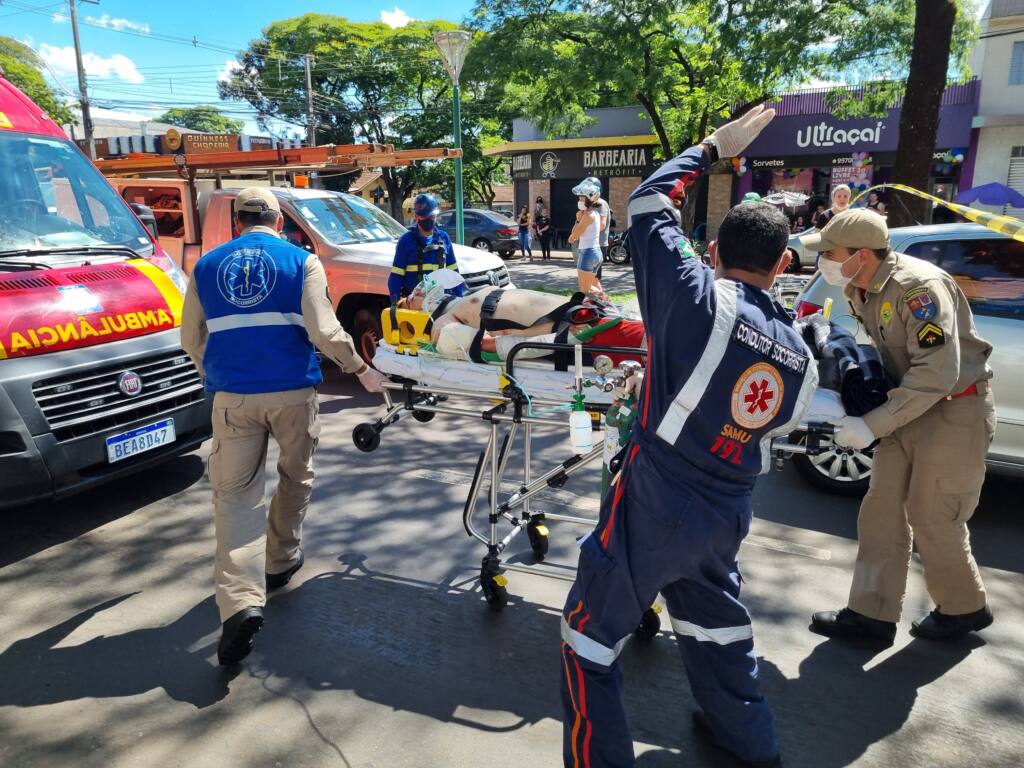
(381, 653)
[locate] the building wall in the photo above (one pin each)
(619, 190)
(538, 188)
(993, 159)
(719, 201)
(997, 96)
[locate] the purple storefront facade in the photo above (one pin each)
(806, 149)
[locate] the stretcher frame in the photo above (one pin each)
(511, 408)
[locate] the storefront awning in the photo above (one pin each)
(517, 147)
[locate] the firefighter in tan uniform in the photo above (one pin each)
(254, 310)
(933, 432)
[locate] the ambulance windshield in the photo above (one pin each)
(51, 196)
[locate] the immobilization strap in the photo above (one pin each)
(475, 353)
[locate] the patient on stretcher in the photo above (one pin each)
(487, 324)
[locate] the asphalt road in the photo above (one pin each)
(381, 654)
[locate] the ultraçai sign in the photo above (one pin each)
(824, 135)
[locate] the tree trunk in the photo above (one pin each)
(919, 117)
(396, 195)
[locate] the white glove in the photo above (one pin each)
(371, 379)
(733, 137)
(854, 433)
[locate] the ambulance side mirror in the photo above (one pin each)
(145, 214)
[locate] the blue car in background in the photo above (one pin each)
(486, 230)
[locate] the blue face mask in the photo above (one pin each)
(427, 225)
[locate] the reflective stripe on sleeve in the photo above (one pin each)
(693, 390)
(719, 635)
(653, 203)
(397, 271)
(233, 322)
(591, 650)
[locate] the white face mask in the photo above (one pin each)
(581, 205)
(832, 272)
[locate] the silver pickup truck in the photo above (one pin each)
(989, 268)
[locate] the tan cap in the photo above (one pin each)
(852, 228)
(256, 200)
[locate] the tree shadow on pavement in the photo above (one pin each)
(836, 709)
(36, 672)
(24, 531)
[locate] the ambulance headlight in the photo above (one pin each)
(177, 277)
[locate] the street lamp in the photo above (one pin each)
(453, 45)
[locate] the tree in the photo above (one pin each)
(689, 64)
(206, 119)
(23, 67)
(370, 83)
(919, 44)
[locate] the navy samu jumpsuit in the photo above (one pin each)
(726, 374)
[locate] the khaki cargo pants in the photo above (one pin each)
(248, 544)
(925, 482)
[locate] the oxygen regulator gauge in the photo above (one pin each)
(603, 365)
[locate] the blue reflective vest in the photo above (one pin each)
(726, 372)
(251, 292)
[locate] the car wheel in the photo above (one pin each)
(506, 254)
(482, 243)
(366, 332)
(836, 470)
(618, 254)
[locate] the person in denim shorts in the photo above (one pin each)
(587, 235)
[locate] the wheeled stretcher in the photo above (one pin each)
(515, 399)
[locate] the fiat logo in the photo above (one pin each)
(130, 383)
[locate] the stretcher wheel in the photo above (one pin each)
(650, 625)
(538, 535)
(366, 437)
(423, 416)
(493, 584)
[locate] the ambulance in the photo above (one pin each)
(93, 382)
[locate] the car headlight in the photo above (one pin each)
(178, 278)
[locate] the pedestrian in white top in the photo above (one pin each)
(587, 233)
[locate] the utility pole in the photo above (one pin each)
(310, 117)
(83, 93)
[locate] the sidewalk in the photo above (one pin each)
(559, 274)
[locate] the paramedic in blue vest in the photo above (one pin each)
(254, 310)
(726, 374)
(423, 249)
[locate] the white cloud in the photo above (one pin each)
(230, 67)
(396, 18)
(119, 66)
(58, 18)
(106, 20)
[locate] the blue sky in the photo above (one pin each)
(138, 58)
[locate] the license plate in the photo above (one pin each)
(140, 440)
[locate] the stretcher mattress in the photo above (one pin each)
(537, 378)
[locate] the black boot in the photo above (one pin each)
(943, 626)
(848, 623)
(236, 638)
(278, 580)
(703, 728)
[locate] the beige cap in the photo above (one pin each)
(853, 228)
(256, 200)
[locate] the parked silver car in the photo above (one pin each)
(989, 268)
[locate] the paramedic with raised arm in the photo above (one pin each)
(254, 310)
(726, 374)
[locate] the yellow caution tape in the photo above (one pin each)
(1004, 225)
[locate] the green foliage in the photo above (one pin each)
(877, 48)
(370, 83)
(688, 64)
(24, 68)
(207, 119)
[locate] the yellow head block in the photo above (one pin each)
(407, 330)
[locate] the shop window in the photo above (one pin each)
(1017, 64)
